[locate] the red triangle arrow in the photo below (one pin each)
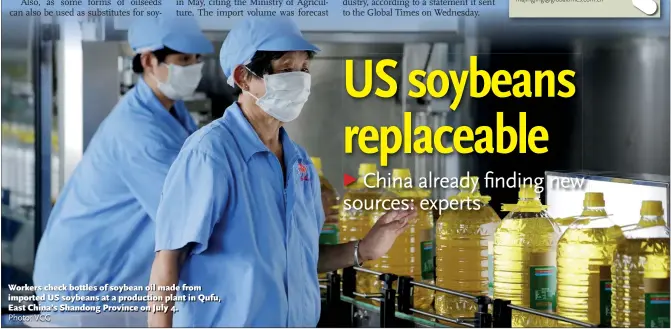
(348, 180)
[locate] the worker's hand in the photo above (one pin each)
(382, 235)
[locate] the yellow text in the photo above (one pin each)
(368, 79)
(389, 140)
(480, 83)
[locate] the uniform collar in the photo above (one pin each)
(147, 96)
(251, 143)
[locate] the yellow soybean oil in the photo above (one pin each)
(640, 273)
(564, 223)
(329, 233)
(356, 215)
(525, 259)
(464, 246)
(584, 259)
(412, 252)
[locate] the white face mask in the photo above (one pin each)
(286, 93)
(182, 81)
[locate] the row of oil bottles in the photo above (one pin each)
(583, 267)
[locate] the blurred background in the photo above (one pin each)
(57, 87)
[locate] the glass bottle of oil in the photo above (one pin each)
(464, 246)
(584, 259)
(412, 252)
(525, 258)
(640, 273)
(329, 233)
(356, 215)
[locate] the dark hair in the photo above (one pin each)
(262, 64)
(160, 54)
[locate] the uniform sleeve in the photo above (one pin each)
(317, 196)
(145, 170)
(194, 198)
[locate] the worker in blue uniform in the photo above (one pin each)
(100, 234)
(241, 212)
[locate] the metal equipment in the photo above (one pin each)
(396, 311)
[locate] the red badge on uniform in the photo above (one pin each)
(303, 172)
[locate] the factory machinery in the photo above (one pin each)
(342, 309)
(344, 306)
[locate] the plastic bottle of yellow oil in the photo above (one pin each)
(464, 246)
(640, 273)
(584, 259)
(329, 233)
(412, 252)
(525, 258)
(564, 223)
(356, 216)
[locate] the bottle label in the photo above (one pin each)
(542, 288)
(490, 267)
(605, 293)
(427, 260)
(657, 310)
(604, 301)
(329, 234)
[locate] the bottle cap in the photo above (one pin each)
(401, 173)
(466, 183)
(594, 199)
(367, 168)
(528, 202)
(317, 162)
(652, 208)
(527, 192)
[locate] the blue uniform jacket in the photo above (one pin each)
(101, 230)
(254, 231)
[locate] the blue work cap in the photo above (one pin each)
(177, 33)
(260, 33)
